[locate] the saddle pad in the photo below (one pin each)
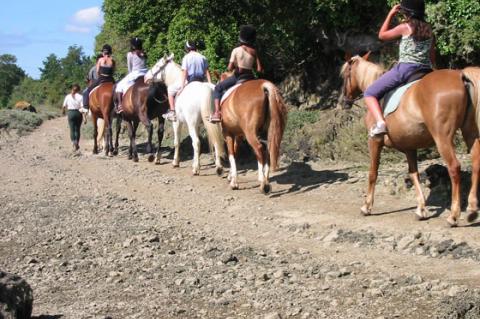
(94, 89)
(392, 103)
(229, 91)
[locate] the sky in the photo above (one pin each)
(33, 29)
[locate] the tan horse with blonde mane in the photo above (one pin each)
(253, 110)
(429, 113)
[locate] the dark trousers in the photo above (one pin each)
(75, 122)
(224, 85)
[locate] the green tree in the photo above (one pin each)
(10, 76)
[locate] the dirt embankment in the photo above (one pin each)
(103, 237)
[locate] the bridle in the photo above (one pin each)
(347, 80)
(161, 70)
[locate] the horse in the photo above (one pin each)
(101, 106)
(142, 103)
(193, 105)
(429, 113)
(256, 111)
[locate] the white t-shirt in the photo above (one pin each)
(73, 102)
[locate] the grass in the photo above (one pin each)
(23, 122)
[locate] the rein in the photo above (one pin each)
(348, 79)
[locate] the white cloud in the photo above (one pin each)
(77, 29)
(84, 20)
(88, 16)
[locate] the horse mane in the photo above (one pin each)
(367, 72)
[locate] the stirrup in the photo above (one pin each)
(215, 119)
(378, 129)
(170, 115)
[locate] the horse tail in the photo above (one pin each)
(100, 130)
(214, 131)
(278, 119)
(472, 80)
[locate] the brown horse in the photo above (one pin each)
(255, 110)
(430, 112)
(143, 103)
(101, 106)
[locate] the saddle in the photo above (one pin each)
(233, 88)
(392, 98)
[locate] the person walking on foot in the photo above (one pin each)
(73, 104)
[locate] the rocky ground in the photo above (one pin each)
(100, 237)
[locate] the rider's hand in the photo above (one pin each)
(394, 10)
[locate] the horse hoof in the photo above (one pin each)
(265, 189)
(175, 165)
(157, 162)
(135, 159)
(95, 152)
(365, 211)
(115, 152)
(219, 171)
(195, 173)
(151, 158)
(234, 187)
(420, 217)
(452, 222)
(472, 216)
(130, 157)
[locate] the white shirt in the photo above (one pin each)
(73, 102)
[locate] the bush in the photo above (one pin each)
(24, 122)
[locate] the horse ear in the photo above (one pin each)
(165, 55)
(170, 58)
(367, 55)
(348, 56)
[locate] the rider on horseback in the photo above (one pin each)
(242, 59)
(104, 71)
(194, 68)
(417, 52)
(136, 61)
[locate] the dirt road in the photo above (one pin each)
(101, 237)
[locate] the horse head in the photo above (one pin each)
(157, 72)
(355, 75)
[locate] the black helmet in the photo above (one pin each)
(413, 8)
(107, 49)
(248, 34)
(136, 43)
(190, 45)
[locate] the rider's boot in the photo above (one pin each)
(216, 116)
(119, 108)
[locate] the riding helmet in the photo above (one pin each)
(136, 43)
(107, 49)
(248, 35)
(413, 8)
(190, 45)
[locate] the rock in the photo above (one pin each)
(16, 297)
(405, 242)
(273, 315)
(332, 236)
(455, 290)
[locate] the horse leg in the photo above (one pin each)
(421, 212)
(130, 136)
(118, 126)
(231, 157)
(375, 148)
(134, 141)
(447, 151)
(177, 127)
(472, 209)
(160, 131)
(258, 149)
(108, 136)
(151, 157)
(193, 131)
(95, 134)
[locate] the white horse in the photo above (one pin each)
(193, 105)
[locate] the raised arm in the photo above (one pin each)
(386, 34)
